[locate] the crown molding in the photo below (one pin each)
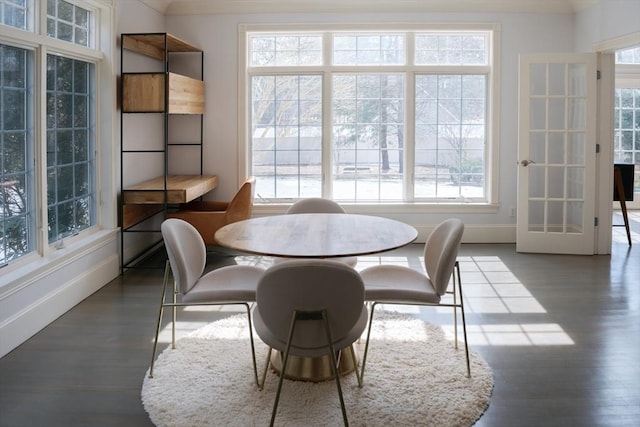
(194, 7)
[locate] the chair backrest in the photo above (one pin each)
(186, 250)
(310, 285)
(315, 205)
(441, 251)
(241, 206)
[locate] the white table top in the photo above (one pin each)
(316, 235)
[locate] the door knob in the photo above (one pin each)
(526, 163)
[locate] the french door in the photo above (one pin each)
(557, 153)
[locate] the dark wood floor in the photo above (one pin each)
(562, 334)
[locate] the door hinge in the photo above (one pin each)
(597, 148)
(598, 75)
(595, 221)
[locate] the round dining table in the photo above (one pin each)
(315, 235)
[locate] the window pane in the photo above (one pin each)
(371, 49)
(450, 136)
(287, 136)
(17, 217)
(15, 13)
(451, 49)
(286, 50)
(628, 56)
(368, 137)
(70, 147)
(68, 22)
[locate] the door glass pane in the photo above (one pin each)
(536, 180)
(574, 217)
(536, 215)
(577, 113)
(575, 183)
(577, 80)
(538, 114)
(556, 113)
(557, 79)
(556, 182)
(556, 147)
(538, 79)
(537, 147)
(575, 148)
(555, 216)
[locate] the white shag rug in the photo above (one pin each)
(414, 377)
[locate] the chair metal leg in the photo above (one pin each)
(455, 306)
(284, 367)
(160, 312)
(366, 345)
(253, 347)
(334, 366)
(174, 315)
(464, 323)
(266, 369)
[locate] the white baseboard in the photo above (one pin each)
(26, 307)
(477, 233)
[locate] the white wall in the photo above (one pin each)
(520, 33)
(607, 20)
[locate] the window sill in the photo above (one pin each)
(392, 208)
(33, 268)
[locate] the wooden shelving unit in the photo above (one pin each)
(164, 93)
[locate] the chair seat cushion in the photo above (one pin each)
(274, 342)
(232, 283)
(397, 284)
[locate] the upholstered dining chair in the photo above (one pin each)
(209, 216)
(310, 308)
(233, 284)
(394, 284)
(319, 205)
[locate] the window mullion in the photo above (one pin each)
(327, 117)
(40, 152)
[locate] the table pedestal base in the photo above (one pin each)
(313, 369)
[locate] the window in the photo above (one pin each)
(627, 112)
(370, 117)
(16, 13)
(63, 197)
(17, 220)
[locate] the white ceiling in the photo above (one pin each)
(192, 7)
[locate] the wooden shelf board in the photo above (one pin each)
(180, 189)
(153, 44)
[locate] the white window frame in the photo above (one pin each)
(493, 111)
(41, 45)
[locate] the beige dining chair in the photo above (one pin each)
(319, 205)
(310, 308)
(394, 284)
(233, 284)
